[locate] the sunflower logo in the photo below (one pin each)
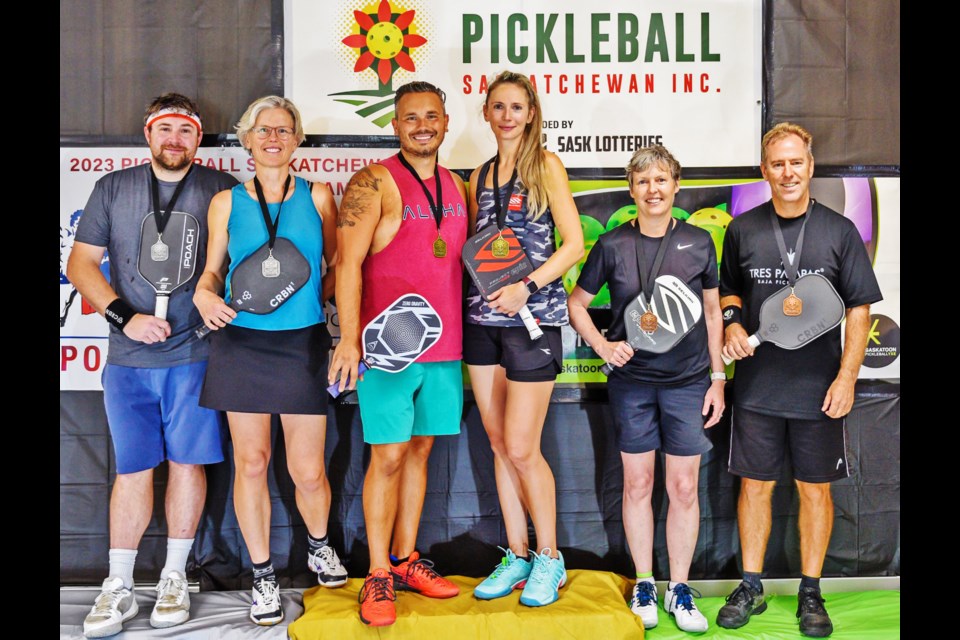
(383, 41)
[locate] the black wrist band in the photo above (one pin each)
(731, 315)
(119, 313)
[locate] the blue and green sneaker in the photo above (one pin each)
(510, 574)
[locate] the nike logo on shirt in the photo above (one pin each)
(681, 247)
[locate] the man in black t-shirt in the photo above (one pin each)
(659, 400)
(790, 399)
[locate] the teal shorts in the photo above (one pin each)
(422, 400)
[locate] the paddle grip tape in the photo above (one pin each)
(119, 313)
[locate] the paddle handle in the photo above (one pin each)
(530, 323)
(334, 389)
(754, 342)
(160, 307)
(607, 369)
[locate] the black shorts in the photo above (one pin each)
(524, 359)
(255, 371)
(758, 442)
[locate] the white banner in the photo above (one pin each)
(612, 76)
(83, 332)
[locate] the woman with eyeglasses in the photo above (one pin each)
(274, 363)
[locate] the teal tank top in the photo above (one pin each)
(300, 223)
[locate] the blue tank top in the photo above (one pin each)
(300, 223)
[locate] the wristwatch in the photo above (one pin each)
(531, 285)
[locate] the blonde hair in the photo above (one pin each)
(781, 131)
(249, 118)
(531, 164)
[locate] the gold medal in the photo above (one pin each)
(500, 247)
(792, 305)
(439, 248)
(648, 322)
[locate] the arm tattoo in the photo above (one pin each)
(357, 197)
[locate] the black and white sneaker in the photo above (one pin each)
(326, 564)
(266, 609)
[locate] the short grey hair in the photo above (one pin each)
(646, 157)
(249, 118)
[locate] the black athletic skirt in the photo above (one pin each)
(255, 371)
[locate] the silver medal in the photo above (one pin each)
(159, 251)
(270, 268)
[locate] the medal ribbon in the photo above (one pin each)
(646, 285)
(272, 226)
(435, 207)
(791, 268)
(163, 217)
(498, 207)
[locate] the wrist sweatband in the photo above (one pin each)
(118, 313)
(731, 315)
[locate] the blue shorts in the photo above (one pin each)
(154, 416)
(422, 400)
(649, 417)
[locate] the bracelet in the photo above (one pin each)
(119, 313)
(718, 375)
(530, 284)
(732, 314)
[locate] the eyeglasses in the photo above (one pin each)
(265, 132)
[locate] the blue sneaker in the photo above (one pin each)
(510, 574)
(546, 577)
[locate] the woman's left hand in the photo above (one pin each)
(510, 299)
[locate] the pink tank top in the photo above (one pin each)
(407, 264)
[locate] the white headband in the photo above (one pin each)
(193, 118)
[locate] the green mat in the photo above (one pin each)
(866, 615)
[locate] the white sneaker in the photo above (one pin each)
(115, 605)
(173, 602)
(266, 609)
(679, 603)
(644, 603)
(326, 564)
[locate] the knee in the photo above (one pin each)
(683, 491)
(308, 476)
(387, 461)
(815, 495)
(251, 464)
(756, 490)
(419, 449)
(498, 444)
(638, 486)
(522, 455)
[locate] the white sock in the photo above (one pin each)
(647, 579)
(178, 550)
(121, 565)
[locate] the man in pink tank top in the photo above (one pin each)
(401, 228)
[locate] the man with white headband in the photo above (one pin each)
(155, 366)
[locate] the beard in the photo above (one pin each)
(173, 163)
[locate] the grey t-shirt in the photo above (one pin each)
(113, 218)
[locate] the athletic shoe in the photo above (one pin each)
(511, 573)
(814, 619)
(417, 575)
(546, 577)
(644, 603)
(115, 605)
(326, 564)
(266, 609)
(377, 599)
(173, 602)
(679, 603)
(741, 604)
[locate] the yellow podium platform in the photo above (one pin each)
(591, 605)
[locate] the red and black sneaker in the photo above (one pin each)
(417, 575)
(377, 598)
